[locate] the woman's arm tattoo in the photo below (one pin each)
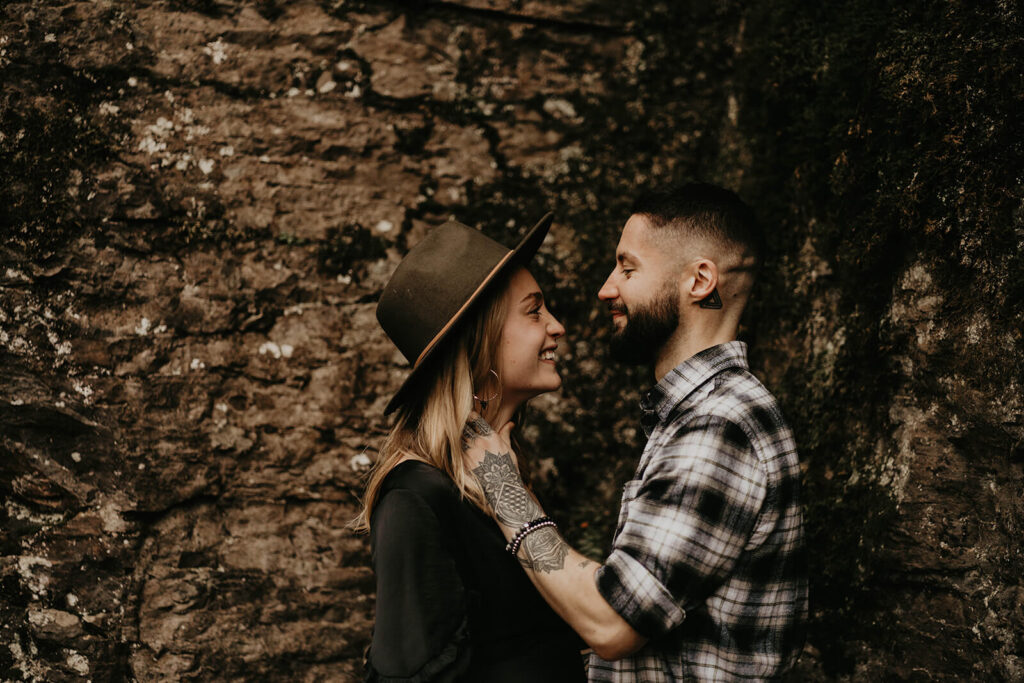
(543, 550)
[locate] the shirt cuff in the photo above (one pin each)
(638, 596)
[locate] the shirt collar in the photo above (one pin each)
(680, 382)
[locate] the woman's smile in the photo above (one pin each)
(529, 326)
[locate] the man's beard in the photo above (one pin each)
(648, 327)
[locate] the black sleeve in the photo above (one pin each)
(421, 632)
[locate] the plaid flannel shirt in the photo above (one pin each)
(708, 557)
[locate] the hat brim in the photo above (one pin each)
(518, 256)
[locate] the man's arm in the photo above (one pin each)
(564, 577)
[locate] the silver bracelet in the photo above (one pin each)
(525, 530)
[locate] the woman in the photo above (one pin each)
(452, 603)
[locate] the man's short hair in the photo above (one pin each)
(704, 210)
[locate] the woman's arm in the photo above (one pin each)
(420, 626)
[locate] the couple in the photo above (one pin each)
(705, 580)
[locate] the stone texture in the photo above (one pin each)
(200, 201)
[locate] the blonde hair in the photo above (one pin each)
(429, 427)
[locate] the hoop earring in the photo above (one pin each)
(485, 401)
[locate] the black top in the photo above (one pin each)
(452, 605)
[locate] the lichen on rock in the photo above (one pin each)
(200, 201)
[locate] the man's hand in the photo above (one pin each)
(488, 456)
(478, 437)
(564, 577)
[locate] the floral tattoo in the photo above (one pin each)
(543, 550)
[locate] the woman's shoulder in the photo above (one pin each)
(424, 481)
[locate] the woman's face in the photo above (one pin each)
(526, 357)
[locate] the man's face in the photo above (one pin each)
(642, 296)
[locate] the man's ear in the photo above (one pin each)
(704, 279)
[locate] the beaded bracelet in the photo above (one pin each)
(525, 530)
(517, 538)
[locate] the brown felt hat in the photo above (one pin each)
(436, 284)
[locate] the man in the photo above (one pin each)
(706, 578)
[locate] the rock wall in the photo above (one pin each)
(201, 199)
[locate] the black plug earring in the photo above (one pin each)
(712, 300)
